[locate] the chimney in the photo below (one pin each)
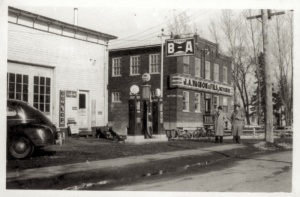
(75, 16)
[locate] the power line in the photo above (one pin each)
(188, 19)
(152, 27)
(151, 34)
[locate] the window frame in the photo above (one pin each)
(207, 64)
(15, 84)
(217, 78)
(198, 102)
(45, 94)
(197, 66)
(218, 101)
(187, 100)
(152, 64)
(113, 100)
(225, 107)
(138, 66)
(186, 65)
(119, 66)
(225, 68)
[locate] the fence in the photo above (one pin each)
(247, 131)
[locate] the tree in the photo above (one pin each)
(179, 26)
(234, 30)
(282, 29)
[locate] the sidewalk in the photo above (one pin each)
(53, 171)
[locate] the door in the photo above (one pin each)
(207, 106)
(83, 110)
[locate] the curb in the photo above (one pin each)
(149, 174)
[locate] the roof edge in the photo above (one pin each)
(71, 26)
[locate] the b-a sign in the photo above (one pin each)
(180, 47)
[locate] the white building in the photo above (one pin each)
(59, 68)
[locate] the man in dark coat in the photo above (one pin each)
(237, 120)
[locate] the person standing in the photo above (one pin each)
(237, 120)
(219, 123)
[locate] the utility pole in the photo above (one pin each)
(162, 63)
(265, 16)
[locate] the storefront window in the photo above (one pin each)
(17, 86)
(185, 101)
(42, 92)
(116, 69)
(197, 102)
(154, 63)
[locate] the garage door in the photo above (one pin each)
(32, 84)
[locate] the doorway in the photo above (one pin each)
(83, 110)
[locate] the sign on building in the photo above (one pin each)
(180, 47)
(192, 83)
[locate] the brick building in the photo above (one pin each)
(193, 86)
(59, 68)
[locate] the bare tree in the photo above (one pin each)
(233, 28)
(180, 26)
(254, 31)
(283, 56)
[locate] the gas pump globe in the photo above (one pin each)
(146, 87)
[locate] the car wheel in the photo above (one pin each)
(21, 148)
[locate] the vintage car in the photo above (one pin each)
(27, 129)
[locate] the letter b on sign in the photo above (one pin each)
(171, 48)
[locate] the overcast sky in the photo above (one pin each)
(139, 22)
(131, 25)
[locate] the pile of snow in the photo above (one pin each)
(264, 146)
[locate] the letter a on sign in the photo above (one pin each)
(189, 47)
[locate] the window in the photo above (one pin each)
(197, 102)
(224, 74)
(225, 105)
(82, 101)
(154, 63)
(216, 72)
(17, 86)
(197, 67)
(116, 68)
(186, 64)
(216, 102)
(186, 60)
(41, 90)
(207, 70)
(116, 97)
(134, 65)
(185, 101)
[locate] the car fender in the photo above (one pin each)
(39, 135)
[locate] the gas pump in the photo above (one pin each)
(135, 122)
(147, 129)
(157, 113)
